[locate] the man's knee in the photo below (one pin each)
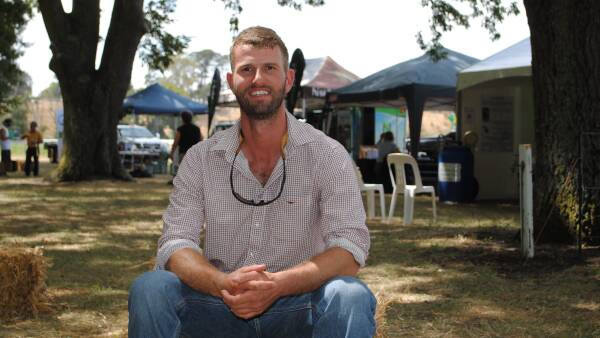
(154, 285)
(349, 292)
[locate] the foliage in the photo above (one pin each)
(51, 92)
(191, 74)
(159, 46)
(15, 105)
(14, 15)
(236, 7)
(446, 14)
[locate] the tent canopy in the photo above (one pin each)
(158, 100)
(514, 61)
(395, 84)
(320, 76)
(408, 84)
(324, 73)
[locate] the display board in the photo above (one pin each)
(497, 124)
(394, 120)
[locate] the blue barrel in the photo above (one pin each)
(456, 182)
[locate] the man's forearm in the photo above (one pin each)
(310, 275)
(195, 271)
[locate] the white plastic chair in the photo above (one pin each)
(399, 160)
(370, 189)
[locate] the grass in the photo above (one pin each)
(460, 277)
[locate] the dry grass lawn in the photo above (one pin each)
(460, 277)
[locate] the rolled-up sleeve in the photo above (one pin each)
(184, 217)
(342, 210)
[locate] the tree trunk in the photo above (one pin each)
(92, 98)
(566, 77)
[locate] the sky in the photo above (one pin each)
(363, 36)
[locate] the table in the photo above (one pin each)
(132, 159)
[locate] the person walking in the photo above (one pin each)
(283, 218)
(34, 138)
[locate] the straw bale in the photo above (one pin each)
(383, 304)
(22, 282)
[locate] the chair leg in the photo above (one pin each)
(382, 203)
(392, 205)
(370, 204)
(433, 206)
(409, 207)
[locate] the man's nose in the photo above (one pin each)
(259, 77)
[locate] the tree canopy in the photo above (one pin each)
(445, 15)
(14, 15)
(190, 74)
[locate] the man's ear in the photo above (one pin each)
(289, 81)
(230, 80)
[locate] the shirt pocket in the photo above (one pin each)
(296, 216)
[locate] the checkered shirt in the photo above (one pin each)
(320, 207)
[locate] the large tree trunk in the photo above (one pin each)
(92, 98)
(566, 75)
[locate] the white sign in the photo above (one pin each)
(496, 124)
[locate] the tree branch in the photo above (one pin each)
(55, 20)
(127, 26)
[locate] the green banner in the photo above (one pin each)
(392, 111)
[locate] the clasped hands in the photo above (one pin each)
(249, 291)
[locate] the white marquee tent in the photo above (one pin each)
(495, 102)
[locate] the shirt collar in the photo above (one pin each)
(297, 135)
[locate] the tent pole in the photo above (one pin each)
(303, 107)
(174, 124)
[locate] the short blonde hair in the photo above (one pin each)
(259, 37)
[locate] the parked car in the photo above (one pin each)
(132, 137)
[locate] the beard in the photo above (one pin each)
(260, 110)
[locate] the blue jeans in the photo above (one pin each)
(160, 305)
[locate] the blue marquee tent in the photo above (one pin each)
(158, 100)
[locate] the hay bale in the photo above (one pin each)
(383, 304)
(22, 282)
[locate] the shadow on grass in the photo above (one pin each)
(471, 281)
(461, 276)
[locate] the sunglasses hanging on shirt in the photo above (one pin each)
(261, 202)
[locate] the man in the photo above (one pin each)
(34, 138)
(284, 224)
(5, 164)
(187, 135)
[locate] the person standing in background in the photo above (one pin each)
(187, 135)
(34, 138)
(5, 145)
(5, 164)
(385, 146)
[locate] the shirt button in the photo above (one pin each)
(251, 254)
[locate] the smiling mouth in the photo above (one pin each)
(259, 93)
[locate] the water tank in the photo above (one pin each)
(456, 182)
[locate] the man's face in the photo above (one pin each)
(259, 80)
